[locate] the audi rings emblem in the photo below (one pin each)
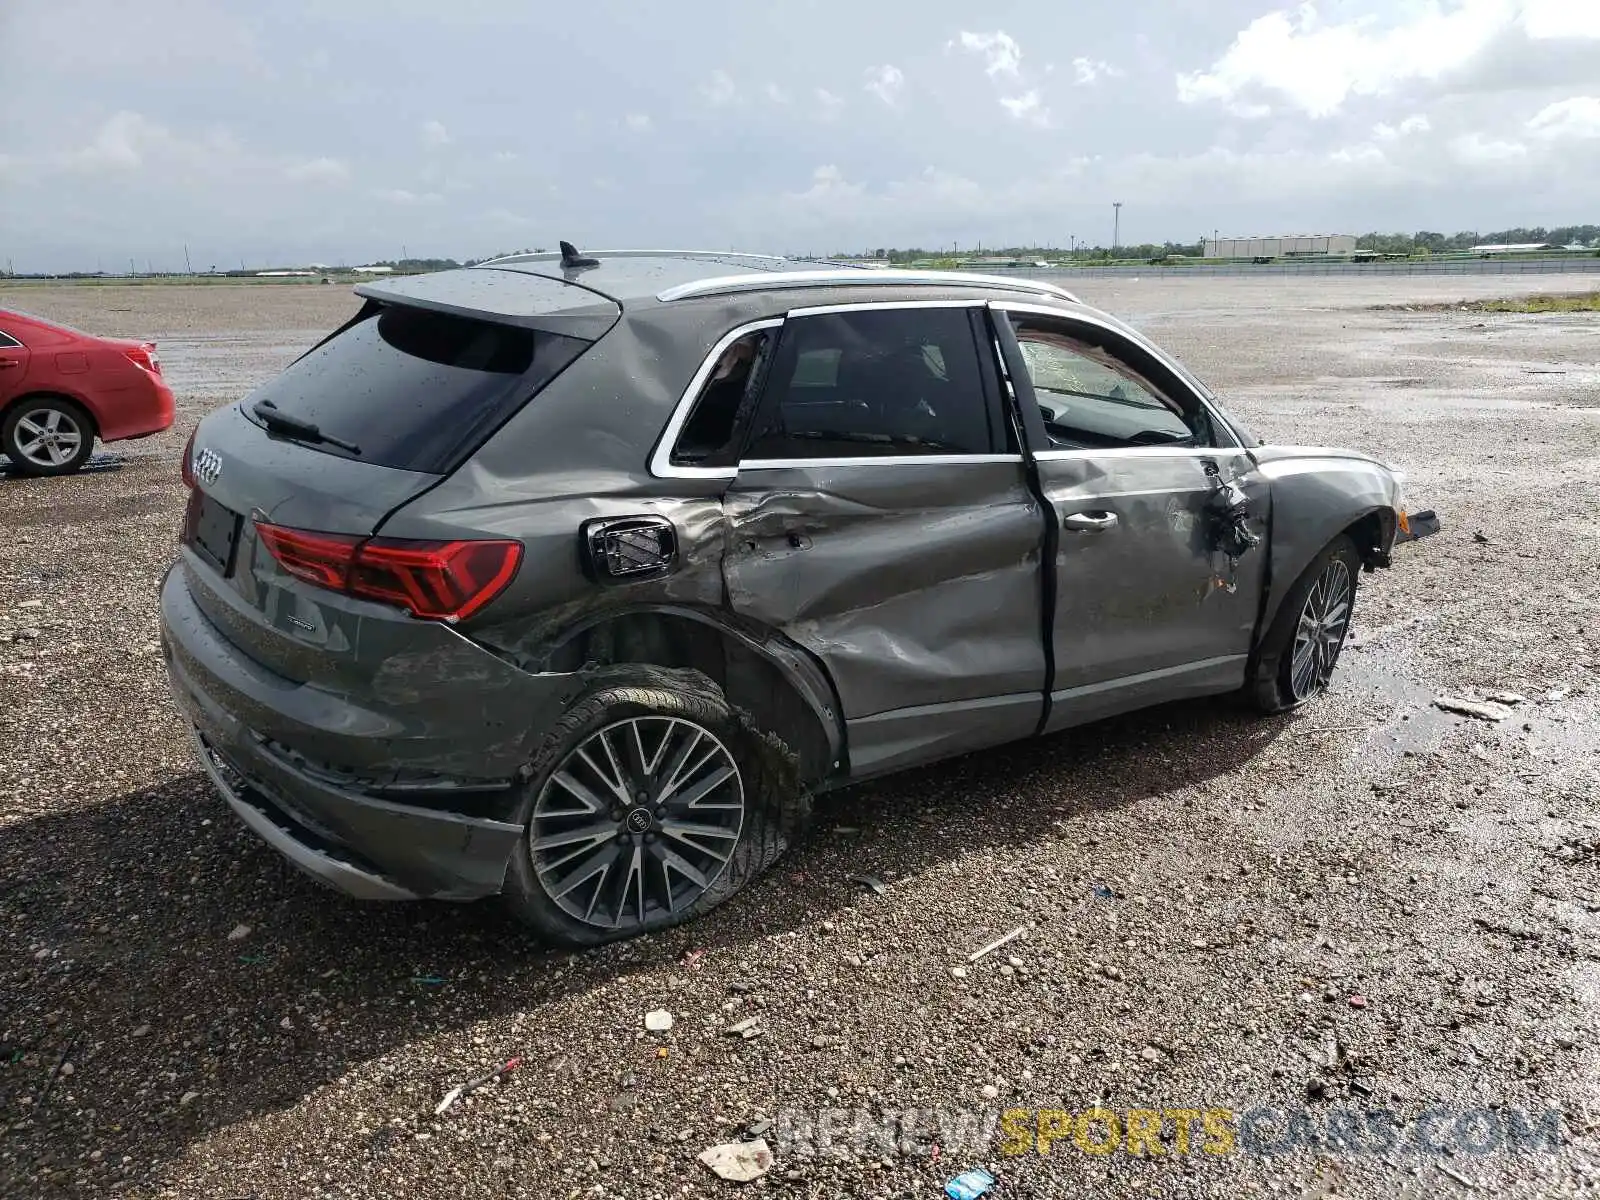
(207, 466)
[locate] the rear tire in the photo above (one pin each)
(650, 802)
(1296, 659)
(47, 435)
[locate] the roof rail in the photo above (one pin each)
(857, 277)
(555, 256)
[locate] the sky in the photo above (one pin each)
(354, 131)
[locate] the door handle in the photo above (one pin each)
(1090, 522)
(8, 362)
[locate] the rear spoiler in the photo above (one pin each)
(503, 297)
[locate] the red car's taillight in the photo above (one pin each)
(188, 460)
(445, 581)
(145, 357)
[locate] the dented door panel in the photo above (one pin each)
(915, 583)
(1147, 607)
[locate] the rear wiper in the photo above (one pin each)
(304, 431)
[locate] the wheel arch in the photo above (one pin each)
(783, 689)
(77, 402)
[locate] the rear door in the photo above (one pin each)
(13, 366)
(1128, 455)
(882, 519)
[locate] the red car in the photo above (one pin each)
(60, 389)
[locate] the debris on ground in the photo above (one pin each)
(871, 881)
(745, 1028)
(969, 1185)
(1458, 1177)
(238, 933)
(1101, 892)
(1508, 698)
(739, 1162)
(1483, 711)
(1480, 537)
(1358, 1001)
(997, 943)
(658, 1020)
(1556, 695)
(472, 1085)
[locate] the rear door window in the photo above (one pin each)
(416, 389)
(879, 382)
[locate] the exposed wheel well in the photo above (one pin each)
(751, 681)
(1371, 534)
(8, 406)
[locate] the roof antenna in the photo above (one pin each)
(571, 259)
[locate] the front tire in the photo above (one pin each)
(651, 801)
(47, 435)
(1297, 657)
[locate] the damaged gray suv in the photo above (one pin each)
(571, 578)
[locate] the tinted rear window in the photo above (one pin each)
(415, 389)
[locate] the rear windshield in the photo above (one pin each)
(415, 389)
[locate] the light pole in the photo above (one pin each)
(1116, 222)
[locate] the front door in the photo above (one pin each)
(1147, 608)
(881, 517)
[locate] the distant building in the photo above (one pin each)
(1510, 248)
(282, 274)
(374, 270)
(1298, 245)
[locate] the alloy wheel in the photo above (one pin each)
(49, 437)
(637, 822)
(1320, 634)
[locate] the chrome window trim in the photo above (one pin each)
(762, 281)
(877, 460)
(661, 464)
(1140, 452)
(1161, 356)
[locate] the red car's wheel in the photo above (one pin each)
(47, 435)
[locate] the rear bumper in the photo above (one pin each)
(252, 728)
(137, 411)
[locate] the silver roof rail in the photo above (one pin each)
(856, 277)
(602, 255)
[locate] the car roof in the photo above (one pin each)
(632, 277)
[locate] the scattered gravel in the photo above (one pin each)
(1194, 880)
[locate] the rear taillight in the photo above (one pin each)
(188, 460)
(444, 581)
(144, 357)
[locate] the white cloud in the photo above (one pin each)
(1317, 65)
(318, 170)
(828, 105)
(407, 198)
(1411, 125)
(1001, 53)
(434, 134)
(886, 83)
(638, 122)
(1027, 107)
(120, 144)
(1086, 71)
(775, 93)
(1480, 150)
(719, 89)
(1576, 118)
(505, 156)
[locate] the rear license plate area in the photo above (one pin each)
(211, 530)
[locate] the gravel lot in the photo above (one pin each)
(1203, 892)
